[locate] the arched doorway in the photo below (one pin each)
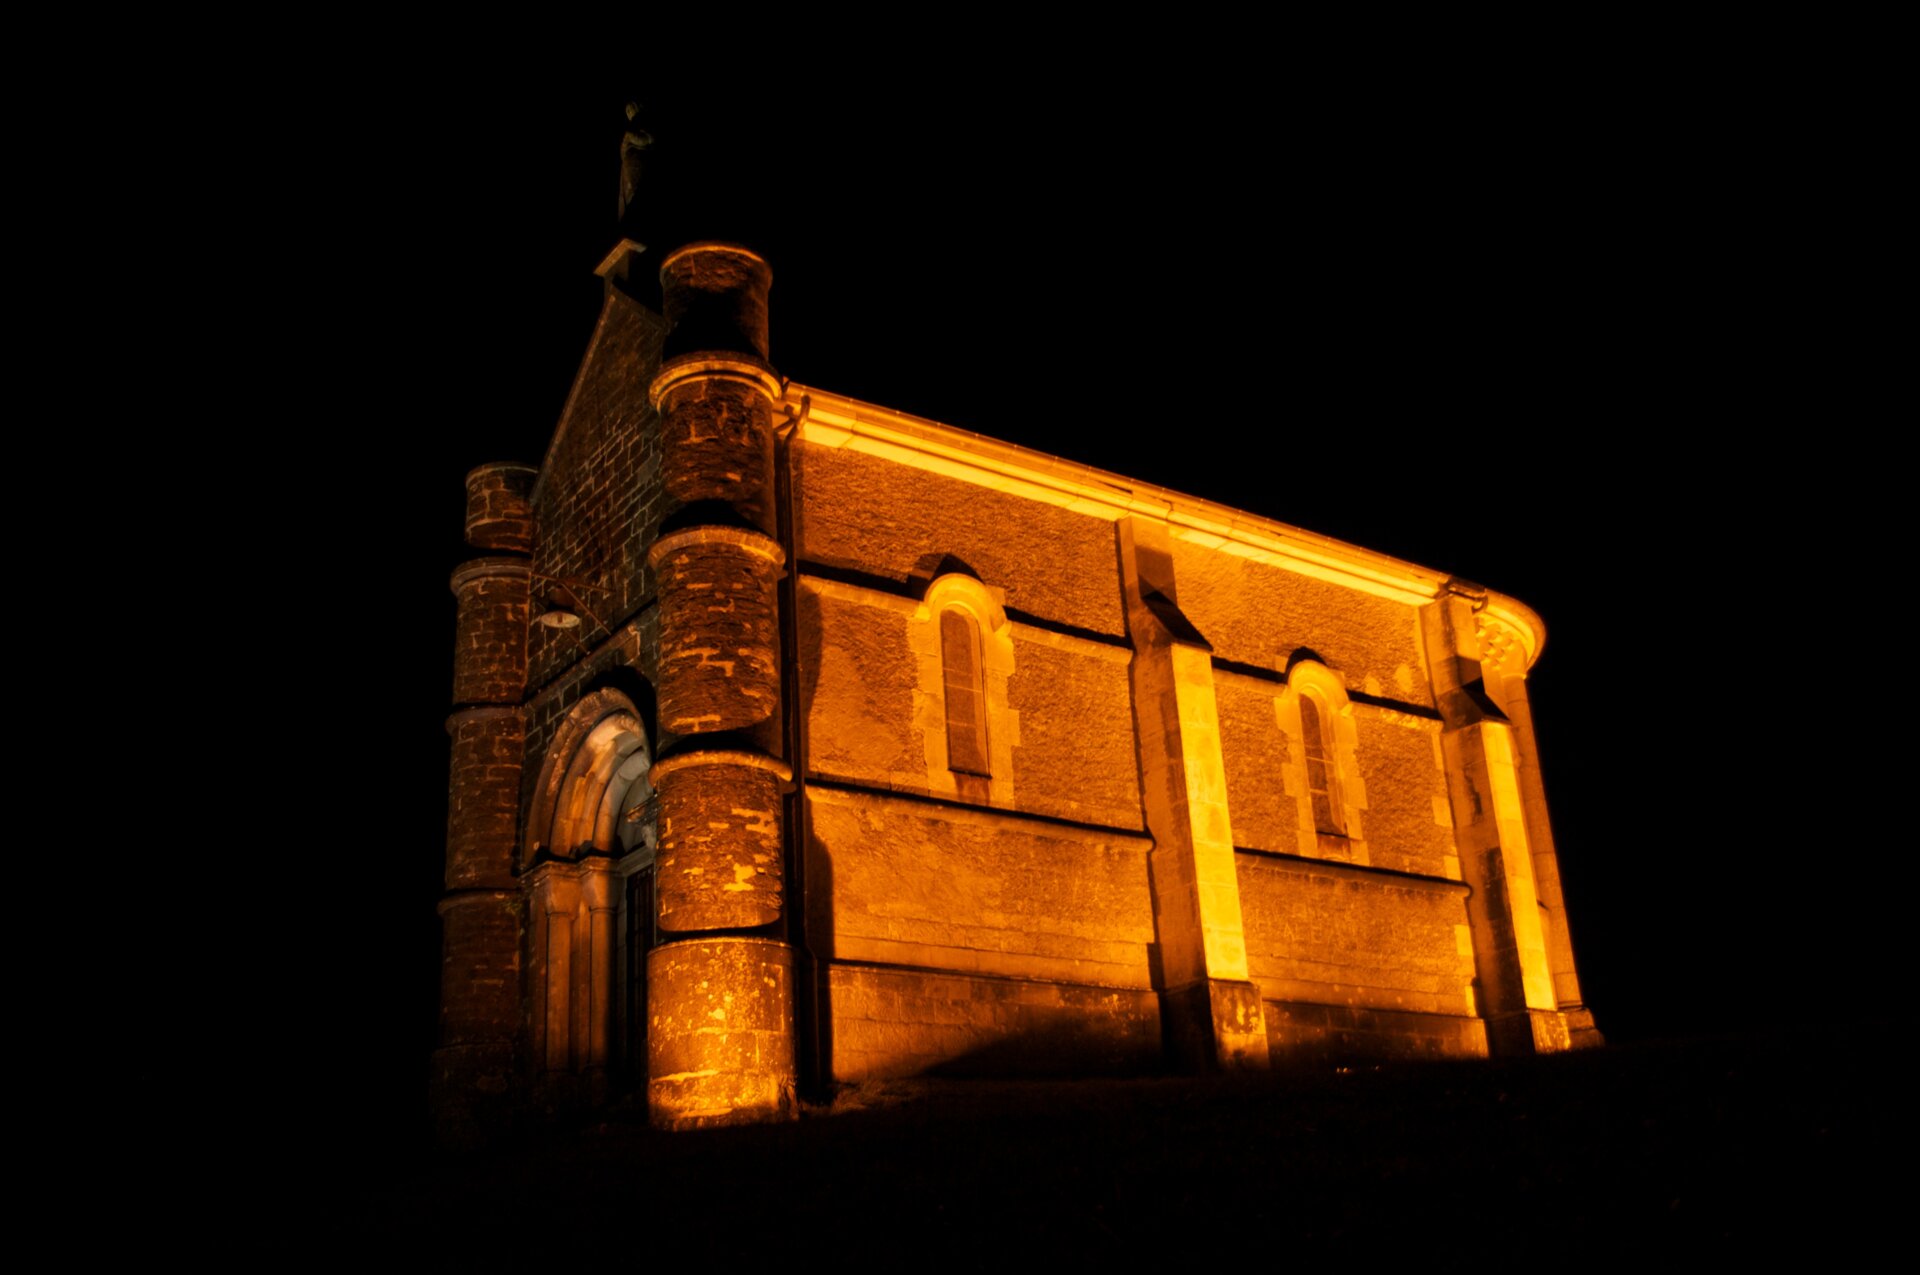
(587, 872)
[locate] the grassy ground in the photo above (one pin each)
(1647, 1154)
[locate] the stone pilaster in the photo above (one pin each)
(1514, 983)
(571, 912)
(1510, 642)
(1213, 1013)
(720, 1008)
(475, 1062)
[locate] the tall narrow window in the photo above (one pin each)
(965, 693)
(1323, 785)
(968, 734)
(1322, 773)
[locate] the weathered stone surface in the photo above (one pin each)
(717, 440)
(1256, 751)
(480, 967)
(890, 1022)
(490, 631)
(719, 1032)
(483, 798)
(1409, 822)
(911, 883)
(720, 850)
(715, 296)
(1303, 1033)
(857, 682)
(1075, 759)
(1331, 934)
(499, 508)
(1257, 614)
(481, 1019)
(1508, 925)
(872, 704)
(599, 500)
(719, 630)
(858, 511)
(1215, 1025)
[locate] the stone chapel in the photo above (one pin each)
(799, 742)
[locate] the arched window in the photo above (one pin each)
(963, 646)
(1321, 773)
(965, 693)
(1323, 780)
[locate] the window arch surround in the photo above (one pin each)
(1321, 773)
(964, 648)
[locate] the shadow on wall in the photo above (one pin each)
(815, 1028)
(816, 1041)
(1052, 1051)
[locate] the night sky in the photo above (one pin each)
(1565, 339)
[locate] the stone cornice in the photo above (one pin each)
(837, 421)
(1518, 621)
(713, 367)
(489, 569)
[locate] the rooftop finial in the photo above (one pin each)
(632, 142)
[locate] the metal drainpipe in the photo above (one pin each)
(812, 1067)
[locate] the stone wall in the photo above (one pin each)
(1257, 614)
(857, 686)
(1076, 758)
(1255, 748)
(884, 1023)
(1338, 935)
(869, 709)
(598, 505)
(862, 513)
(1409, 823)
(1307, 1034)
(599, 500)
(901, 881)
(961, 938)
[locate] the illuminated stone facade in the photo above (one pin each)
(800, 742)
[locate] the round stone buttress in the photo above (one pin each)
(719, 865)
(719, 1032)
(719, 628)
